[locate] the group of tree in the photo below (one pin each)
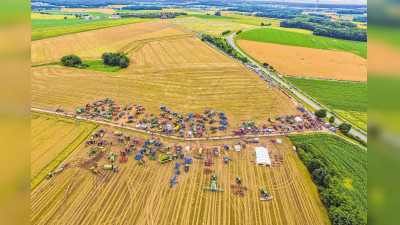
(226, 32)
(115, 59)
(265, 24)
(142, 7)
(320, 114)
(351, 11)
(271, 12)
(152, 15)
(362, 19)
(238, 32)
(223, 44)
(320, 15)
(73, 60)
(327, 28)
(341, 207)
(266, 65)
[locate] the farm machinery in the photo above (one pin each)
(208, 170)
(94, 169)
(59, 170)
(226, 160)
(240, 188)
(265, 195)
(213, 186)
(208, 161)
(173, 181)
(111, 167)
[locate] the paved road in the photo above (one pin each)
(230, 39)
(172, 137)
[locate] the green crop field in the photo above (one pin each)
(348, 99)
(282, 37)
(250, 20)
(53, 139)
(348, 161)
(42, 29)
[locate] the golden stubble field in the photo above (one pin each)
(308, 62)
(185, 74)
(53, 138)
(140, 194)
(91, 44)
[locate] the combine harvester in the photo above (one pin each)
(213, 186)
(265, 195)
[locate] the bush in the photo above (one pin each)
(320, 113)
(226, 32)
(83, 66)
(332, 119)
(71, 60)
(115, 59)
(344, 128)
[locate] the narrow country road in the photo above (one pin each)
(230, 39)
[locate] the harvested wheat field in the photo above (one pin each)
(53, 139)
(308, 62)
(166, 73)
(141, 194)
(91, 44)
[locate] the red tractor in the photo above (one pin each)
(240, 189)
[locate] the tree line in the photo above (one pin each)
(223, 44)
(327, 28)
(142, 7)
(287, 13)
(152, 15)
(362, 19)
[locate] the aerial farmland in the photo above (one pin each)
(153, 114)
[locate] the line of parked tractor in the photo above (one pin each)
(194, 124)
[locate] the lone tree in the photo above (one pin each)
(218, 13)
(71, 60)
(271, 67)
(332, 119)
(265, 65)
(344, 128)
(320, 113)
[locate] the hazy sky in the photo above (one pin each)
(364, 2)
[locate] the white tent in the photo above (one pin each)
(262, 156)
(298, 119)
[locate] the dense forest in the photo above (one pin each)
(151, 15)
(320, 15)
(327, 28)
(351, 11)
(362, 19)
(141, 7)
(223, 44)
(270, 12)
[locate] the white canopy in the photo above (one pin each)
(262, 156)
(298, 119)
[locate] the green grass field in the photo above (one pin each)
(348, 159)
(282, 37)
(53, 139)
(42, 29)
(348, 99)
(96, 65)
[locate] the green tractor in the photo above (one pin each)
(213, 186)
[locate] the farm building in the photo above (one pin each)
(262, 156)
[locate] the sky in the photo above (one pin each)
(358, 2)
